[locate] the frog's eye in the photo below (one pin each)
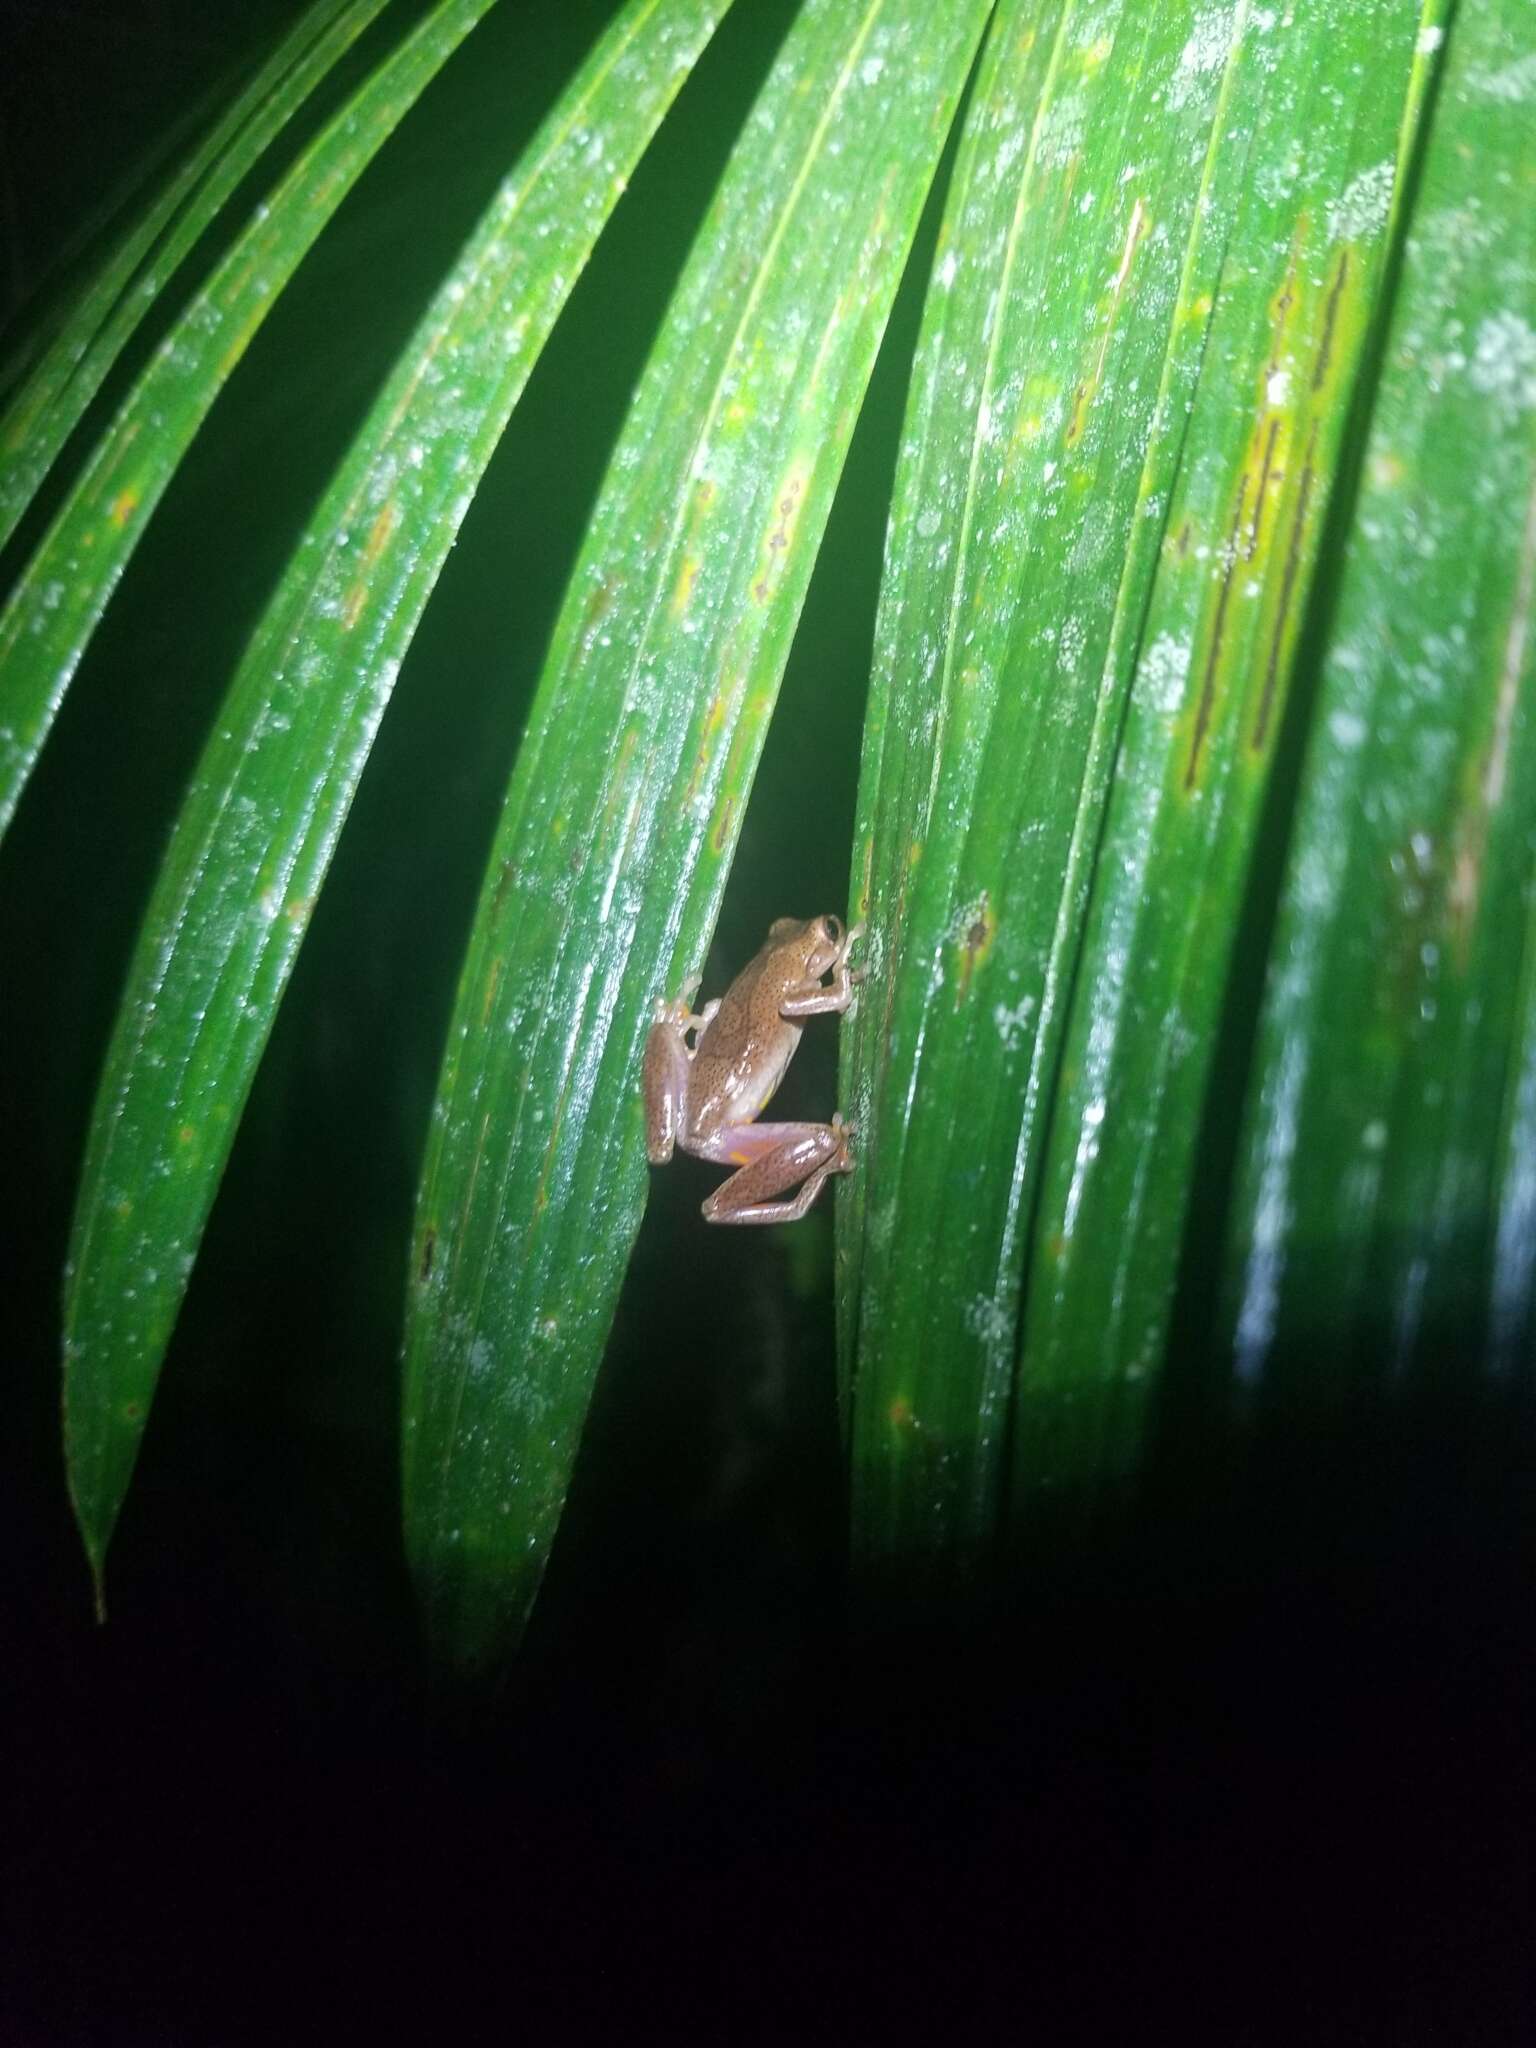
(832, 929)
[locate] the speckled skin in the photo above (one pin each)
(707, 1098)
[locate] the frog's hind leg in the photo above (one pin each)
(773, 1157)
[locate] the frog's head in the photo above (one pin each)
(815, 941)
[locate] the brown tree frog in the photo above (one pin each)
(706, 1097)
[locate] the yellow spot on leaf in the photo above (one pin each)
(491, 982)
(123, 507)
(682, 590)
(379, 532)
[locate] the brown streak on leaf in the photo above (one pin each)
(1280, 310)
(1330, 318)
(719, 836)
(1287, 593)
(1213, 655)
(1258, 499)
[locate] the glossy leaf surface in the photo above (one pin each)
(1054, 334)
(1321, 112)
(1383, 1226)
(626, 803)
(1059, 798)
(50, 616)
(269, 798)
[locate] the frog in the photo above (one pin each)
(706, 1097)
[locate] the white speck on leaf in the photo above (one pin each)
(1013, 1022)
(1163, 673)
(1361, 209)
(1515, 82)
(1503, 365)
(1205, 51)
(990, 1321)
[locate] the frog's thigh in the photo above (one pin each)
(786, 1155)
(664, 1084)
(743, 1144)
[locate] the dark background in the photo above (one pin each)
(1199, 1781)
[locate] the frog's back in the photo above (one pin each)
(740, 1060)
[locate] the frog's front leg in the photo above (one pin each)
(812, 998)
(664, 1077)
(773, 1157)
